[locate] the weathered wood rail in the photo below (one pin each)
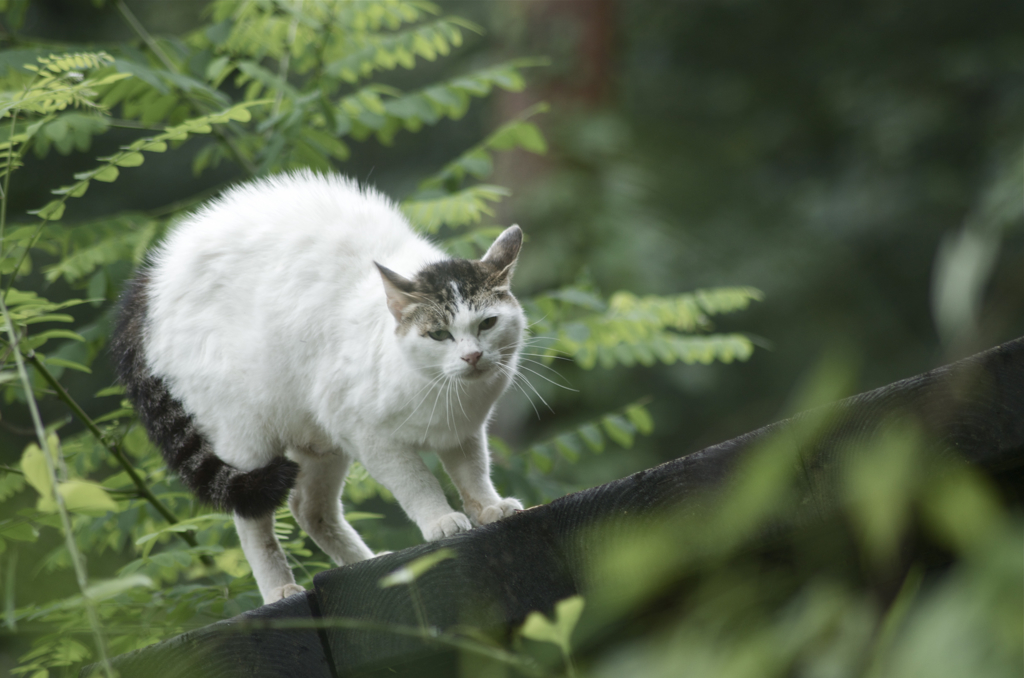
(974, 409)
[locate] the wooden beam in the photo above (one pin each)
(971, 410)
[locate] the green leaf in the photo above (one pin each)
(414, 569)
(233, 562)
(619, 429)
(963, 511)
(108, 174)
(328, 143)
(37, 473)
(48, 318)
(568, 445)
(60, 334)
(239, 114)
(133, 159)
(18, 529)
(640, 418)
(61, 362)
(109, 391)
(52, 211)
(11, 484)
(190, 524)
(591, 435)
(540, 458)
(458, 209)
(85, 496)
(558, 632)
(76, 190)
(352, 516)
(109, 588)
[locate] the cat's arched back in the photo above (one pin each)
(298, 323)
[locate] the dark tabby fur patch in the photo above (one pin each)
(441, 285)
(250, 494)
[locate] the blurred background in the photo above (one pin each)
(858, 162)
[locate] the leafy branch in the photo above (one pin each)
(628, 329)
(114, 449)
(51, 469)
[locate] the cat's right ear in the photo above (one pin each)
(398, 290)
(503, 252)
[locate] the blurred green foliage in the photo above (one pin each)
(265, 87)
(857, 164)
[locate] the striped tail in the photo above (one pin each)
(250, 494)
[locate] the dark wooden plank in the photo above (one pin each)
(500, 573)
(240, 647)
(972, 410)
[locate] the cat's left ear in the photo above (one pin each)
(503, 252)
(398, 290)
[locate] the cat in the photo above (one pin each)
(297, 324)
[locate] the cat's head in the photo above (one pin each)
(457, 317)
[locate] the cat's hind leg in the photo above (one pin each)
(266, 558)
(315, 502)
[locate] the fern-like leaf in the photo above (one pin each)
(629, 329)
(465, 207)
(477, 161)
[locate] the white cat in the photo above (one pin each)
(301, 315)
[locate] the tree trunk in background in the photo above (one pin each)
(582, 33)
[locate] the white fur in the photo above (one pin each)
(268, 320)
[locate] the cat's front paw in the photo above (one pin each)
(282, 592)
(503, 509)
(446, 526)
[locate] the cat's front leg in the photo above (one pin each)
(266, 558)
(469, 467)
(403, 472)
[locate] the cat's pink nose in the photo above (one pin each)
(472, 358)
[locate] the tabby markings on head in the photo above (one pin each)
(440, 288)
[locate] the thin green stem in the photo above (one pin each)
(114, 449)
(141, 31)
(24, 255)
(51, 466)
(570, 667)
(10, 591)
(147, 38)
(7, 181)
(417, 604)
(285, 63)
(133, 124)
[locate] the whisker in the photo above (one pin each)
(534, 389)
(555, 372)
(416, 409)
(432, 410)
(550, 355)
(455, 421)
(517, 376)
(457, 384)
(505, 370)
(538, 320)
(567, 388)
(448, 414)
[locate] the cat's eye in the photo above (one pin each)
(439, 335)
(489, 323)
